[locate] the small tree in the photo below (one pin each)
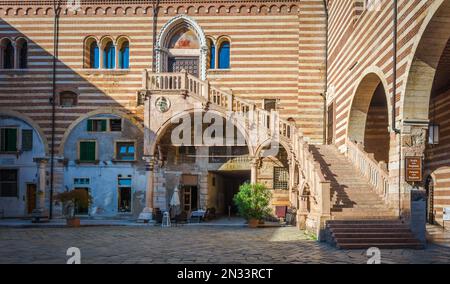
(72, 199)
(253, 201)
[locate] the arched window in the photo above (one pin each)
(224, 55)
(8, 54)
(212, 55)
(91, 54)
(94, 56)
(124, 55)
(22, 51)
(109, 56)
(68, 99)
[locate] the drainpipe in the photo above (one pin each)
(325, 103)
(394, 104)
(155, 5)
(57, 10)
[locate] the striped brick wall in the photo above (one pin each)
(356, 46)
(277, 51)
(438, 156)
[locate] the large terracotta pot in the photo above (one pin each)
(253, 223)
(73, 222)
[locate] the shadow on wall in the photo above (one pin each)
(29, 91)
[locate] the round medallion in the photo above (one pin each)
(162, 104)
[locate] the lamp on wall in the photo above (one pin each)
(433, 134)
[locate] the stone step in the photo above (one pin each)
(369, 230)
(368, 225)
(347, 216)
(349, 246)
(373, 235)
(381, 240)
(385, 221)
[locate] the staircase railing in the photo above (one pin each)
(311, 174)
(375, 172)
(186, 82)
(319, 186)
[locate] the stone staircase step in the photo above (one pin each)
(380, 239)
(373, 235)
(349, 246)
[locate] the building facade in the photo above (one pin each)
(110, 83)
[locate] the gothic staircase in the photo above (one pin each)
(360, 218)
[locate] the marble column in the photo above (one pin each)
(41, 211)
(147, 212)
(254, 170)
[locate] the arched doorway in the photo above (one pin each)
(369, 118)
(182, 45)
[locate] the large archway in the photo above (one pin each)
(369, 117)
(182, 45)
(203, 156)
(427, 102)
(432, 42)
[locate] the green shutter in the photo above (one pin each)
(87, 151)
(27, 140)
(103, 125)
(8, 140)
(2, 140)
(89, 125)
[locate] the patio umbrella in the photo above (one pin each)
(175, 202)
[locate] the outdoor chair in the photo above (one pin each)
(180, 218)
(210, 214)
(158, 216)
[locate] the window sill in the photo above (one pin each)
(124, 161)
(212, 71)
(14, 70)
(10, 153)
(96, 162)
(115, 72)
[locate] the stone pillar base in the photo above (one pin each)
(301, 221)
(146, 215)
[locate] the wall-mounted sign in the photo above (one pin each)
(413, 169)
(447, 214)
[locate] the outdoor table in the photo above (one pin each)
(200, 214)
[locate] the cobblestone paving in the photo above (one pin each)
(188, 244)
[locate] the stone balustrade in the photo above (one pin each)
(310, 172)
(375, 172)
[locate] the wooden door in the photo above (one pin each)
(178, 64)
(187, 198)
(31, 197)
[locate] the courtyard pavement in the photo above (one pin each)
(189, 244)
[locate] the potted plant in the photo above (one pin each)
(71, 200)
(252, 202)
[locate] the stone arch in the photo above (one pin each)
(164, 37)
(28, 120)
(281, 141)
(364, 90)
(162, 130)
(113, 111)
(424, 59)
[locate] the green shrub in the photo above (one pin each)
(253, 201)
